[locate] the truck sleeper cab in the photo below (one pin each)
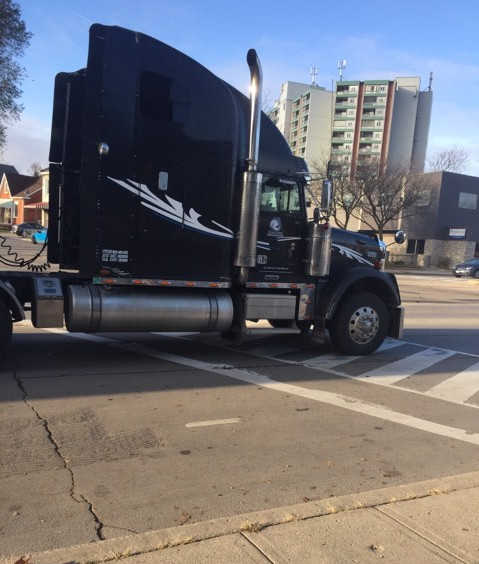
(180, 207)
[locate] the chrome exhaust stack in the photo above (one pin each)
(252, 180)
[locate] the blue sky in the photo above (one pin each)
(378, 38)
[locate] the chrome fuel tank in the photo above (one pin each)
(91, 308)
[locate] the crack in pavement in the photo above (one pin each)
(78, 498)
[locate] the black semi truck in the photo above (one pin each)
(177, 205)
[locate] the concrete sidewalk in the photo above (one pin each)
(426, 522)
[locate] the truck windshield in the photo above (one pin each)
(280, 196)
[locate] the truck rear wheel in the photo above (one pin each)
(360, 324)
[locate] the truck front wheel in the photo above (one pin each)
(360, 324)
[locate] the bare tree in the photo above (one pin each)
(267, 101)
(347, 192)
(35, 169)
(14, 37)
(348, 196)
(387, 195)
(455, 159)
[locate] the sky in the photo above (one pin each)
(380, 39)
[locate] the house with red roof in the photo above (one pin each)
(20, 198)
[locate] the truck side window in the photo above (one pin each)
(289, 199)
(269, 198)
(277, 196)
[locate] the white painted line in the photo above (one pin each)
(83, 336)
(396, 371)
(458, 388)
(457, 394)
(345, 402)
(333, 360)
(214, 422)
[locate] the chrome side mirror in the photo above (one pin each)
(400, 237)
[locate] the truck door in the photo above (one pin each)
(281, 232)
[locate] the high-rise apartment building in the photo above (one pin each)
(385, 121)
(303, 115)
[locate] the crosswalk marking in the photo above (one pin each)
(258, 379)
(335, 360)
(397, 371)
(458, 388)
(414, 368)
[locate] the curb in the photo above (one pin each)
(143, 543)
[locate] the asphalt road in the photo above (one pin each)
(106, 435)
(441, 311)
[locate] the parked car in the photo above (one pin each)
(468, 268)
(26, 229)
(40, 236)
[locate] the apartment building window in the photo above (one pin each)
(467, 201)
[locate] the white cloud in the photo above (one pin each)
(28, 142)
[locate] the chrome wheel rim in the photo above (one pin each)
(363, 325)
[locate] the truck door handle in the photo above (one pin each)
(360, 242)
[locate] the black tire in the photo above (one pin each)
(457, 275)
(5, 327)
(360, 324)
(282, 323)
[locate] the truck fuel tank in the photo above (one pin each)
(92, 308)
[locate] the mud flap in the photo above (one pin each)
(396, 322)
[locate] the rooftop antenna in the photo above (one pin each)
(341, 67)
(314, 74)
(430, 82)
